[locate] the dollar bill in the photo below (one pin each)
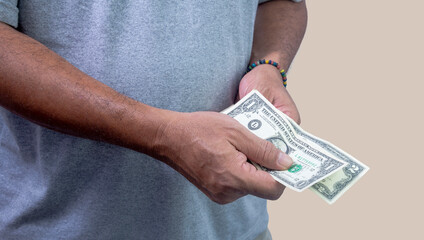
(318, 164)
(312, 163)
(334, 186)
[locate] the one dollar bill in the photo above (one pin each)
(318, 164)
(334, 186)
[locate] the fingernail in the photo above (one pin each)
(284, 160)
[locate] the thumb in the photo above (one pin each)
(263, 152)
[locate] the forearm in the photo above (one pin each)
(279, 30)
(42, 87)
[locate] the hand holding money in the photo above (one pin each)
(211, 150)
(267, 80)
(319, 165)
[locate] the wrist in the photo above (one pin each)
(141, 127)
(160, 143)
(267, 62)
(274, 56)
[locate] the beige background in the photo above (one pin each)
(358, 81)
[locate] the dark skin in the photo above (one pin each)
(289, 20)
(44, 88)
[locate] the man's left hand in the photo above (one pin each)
(268, 81)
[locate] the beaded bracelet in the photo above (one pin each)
(275, 64)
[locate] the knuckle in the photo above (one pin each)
(240, 158)
(233, 129)
(215, 187)
(222, 200)
(222, 193)
(278, 192)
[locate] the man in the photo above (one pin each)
(109, 107)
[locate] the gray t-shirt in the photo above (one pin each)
(179, 55)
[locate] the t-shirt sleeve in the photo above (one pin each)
(9, 12)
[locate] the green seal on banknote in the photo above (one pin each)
(295, 168)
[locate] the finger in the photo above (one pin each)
(291, 112)
(261, 151)
(258, 182)
(287, 106)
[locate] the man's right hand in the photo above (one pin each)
(211, 150)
